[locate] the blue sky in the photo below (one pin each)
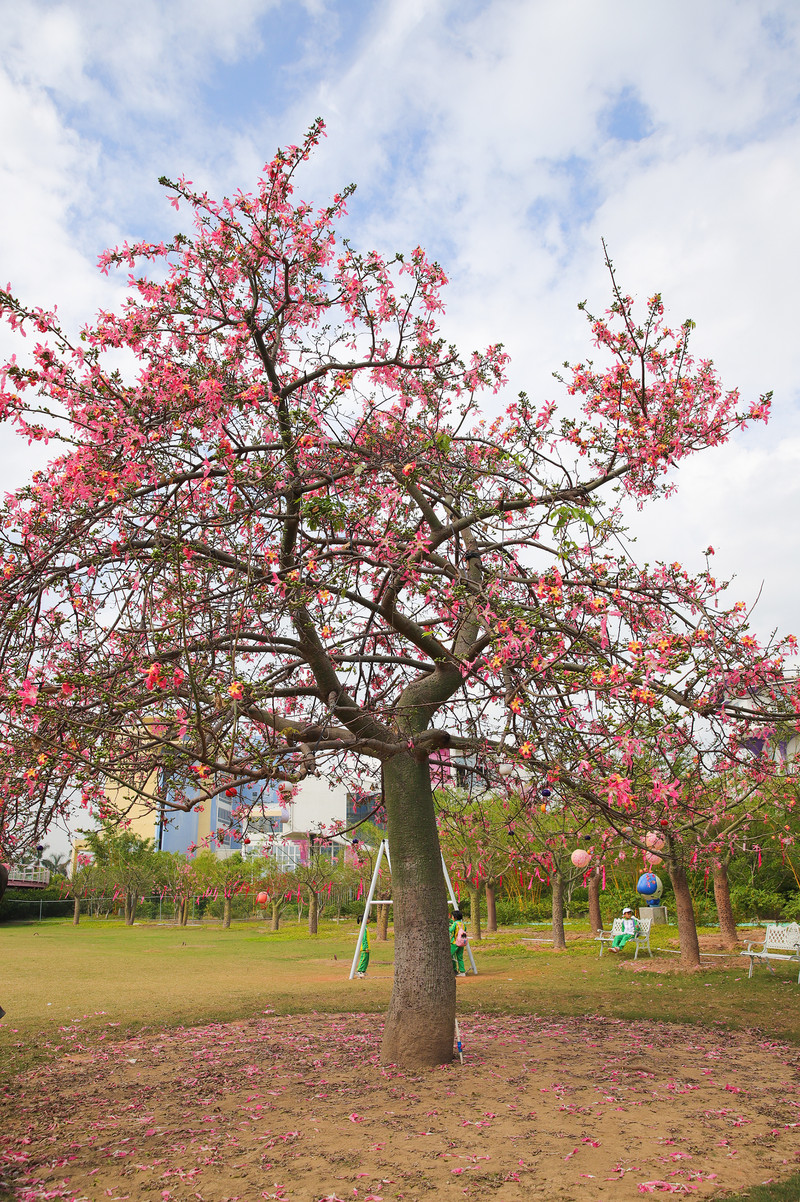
(506, 136)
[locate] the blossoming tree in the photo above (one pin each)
(282, 538)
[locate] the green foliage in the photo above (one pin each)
(791, 907)
(750, 902)
(511, 912)
(113, 845)
(25, 905)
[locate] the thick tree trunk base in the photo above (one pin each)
(559, 938)
(420, 1024)
(595, 917)
(722, 896)
(382, 923)
(491, 909)
(475, 914)
(417, 1039)
(684, 912)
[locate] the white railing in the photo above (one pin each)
(32, 875)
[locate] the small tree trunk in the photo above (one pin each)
(722, 896)
(275, 921)
(595, 917)
(184, 911)
(226, 912)
(571, 883)
(382, 921)
(130, 909)
(76, 912)
(420, 1024)
(491, 906)
(474, 911)
(559, 938)
(684, 911)
(313, 912)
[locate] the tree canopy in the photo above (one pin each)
(284, 537)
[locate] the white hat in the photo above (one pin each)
(627, 910)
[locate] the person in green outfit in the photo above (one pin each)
(458, 941)
(364, 959)
(630, 929)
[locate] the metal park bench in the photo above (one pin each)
(780, 943)
(643, 938)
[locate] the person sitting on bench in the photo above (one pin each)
(630, 929)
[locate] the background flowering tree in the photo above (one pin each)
(314, 874)
(275, 884)
(124, 864)
(675, 786)
(474, 832)
(282, 539)
(221, 878)
(82, 884)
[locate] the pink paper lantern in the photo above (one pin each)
(262, 898)
(580, 858)
(654, 840)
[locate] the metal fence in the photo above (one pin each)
(157, 907)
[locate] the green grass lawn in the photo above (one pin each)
(102, 972)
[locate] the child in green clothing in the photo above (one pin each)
(458, 941)
(364, 959)
(630, 929)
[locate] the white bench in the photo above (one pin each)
(780, 943)
(616, 929)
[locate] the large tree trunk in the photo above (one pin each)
(559, 938)
(275, 920)
(595, 917)
(722, 896)
(226, 912)
(420, 1024)
(491, 906)
(474, 911)
(684, 912)
(76, 912)
(313, 912)
(3, 880)
(382, 923)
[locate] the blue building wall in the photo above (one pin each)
(180, 830)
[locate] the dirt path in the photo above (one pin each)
(299, 1108)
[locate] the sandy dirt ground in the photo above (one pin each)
(299, 1108)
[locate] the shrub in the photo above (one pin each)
(511, 911)
(750, 903)
(791, 907)
(25, 905)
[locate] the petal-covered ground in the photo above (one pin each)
(300, 1109)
